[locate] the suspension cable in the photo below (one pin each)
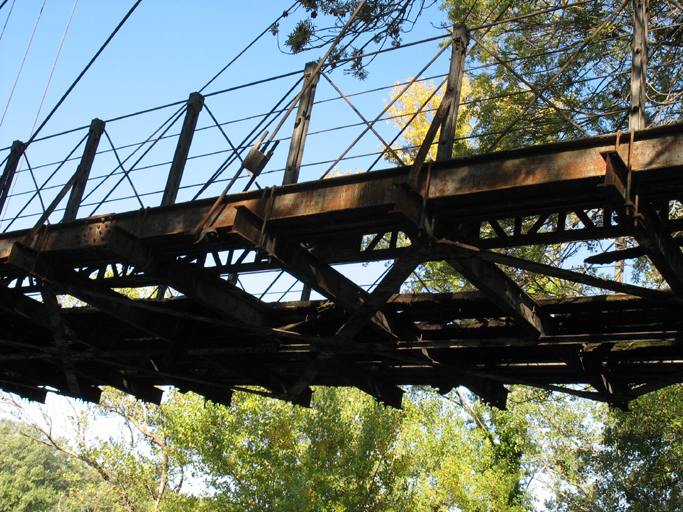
(71, 88)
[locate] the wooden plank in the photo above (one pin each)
(208, 290)
(643, 222)
(175, 175)
(303, 118)
(83, 171)
(7, 177)
(572, 169)
(459, 41)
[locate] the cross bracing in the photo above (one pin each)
(612, 342)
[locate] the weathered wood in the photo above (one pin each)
(459, 41)
(505, 293)
(497, 185)
(644, 222)
(83, 171)
(303, 118)
(480, 340)
(639, 66)
(377, 299)
(210, 291)
(7, 178)
(194, 107)
(306, 267)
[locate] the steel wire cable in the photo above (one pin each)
(126, 173)
(170, 121)
(279, 170)
(323, 100)
(312, 133)
(184, 101)
(286, 75)
(8, 16)
(283, 15)
(47, 86)
(21, 67)
(73, 85)
(35, 183)
(151, 146)
(566, 65)
(336, 98)
(352, 157)
(473, 136)
(54, 65)
(253, 135)
(386, 108)
(43, 187)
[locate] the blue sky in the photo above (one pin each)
(165, 51)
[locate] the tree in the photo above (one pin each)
(378, 23)
(133, 471)
(344, 453)
(33, 476)
(544, 70)
(637, 468)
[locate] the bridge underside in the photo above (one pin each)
(480, 215)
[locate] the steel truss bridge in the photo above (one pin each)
(613, 343)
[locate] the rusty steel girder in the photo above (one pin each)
(215, 338)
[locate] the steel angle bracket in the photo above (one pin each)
(298, 261)
(642, 220)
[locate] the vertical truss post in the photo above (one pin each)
(303, 117)
(17, 150)
(638, 97)
(639, 67)
(83, 171)
(194, 106)
(459, 41)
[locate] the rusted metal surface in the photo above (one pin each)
(214, 338)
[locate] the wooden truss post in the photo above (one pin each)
(83, 171)
(638, 96)
(194, 106)
(639, 67)
(10, 169)
(460, 39)
(296, 148)
(303, 117)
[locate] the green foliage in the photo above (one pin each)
(593, 85)
(35, 477)
(639, 464)
(379, 22)
(347, 452)
(344, 453)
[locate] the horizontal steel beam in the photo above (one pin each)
(365, 199)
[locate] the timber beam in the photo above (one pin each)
(206, 289)
(485, 275)
(83, 171)
(26, 307)
(369, 382)
(644, 222)
(87, 290)
(118, 306)
(500, 182)
(303, 265)
(490, 391)
(377, 299)
(505, 293)
(61, 342)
